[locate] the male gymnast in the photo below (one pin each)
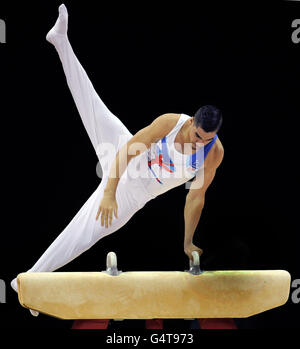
(169, 152)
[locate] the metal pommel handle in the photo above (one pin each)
(111, 260)
(196, 259)
(195, 264)
(111, 264)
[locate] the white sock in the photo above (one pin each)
(60, 27)
(14, 284)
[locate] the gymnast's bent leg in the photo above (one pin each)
(84, 231)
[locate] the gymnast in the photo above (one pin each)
(174, 149)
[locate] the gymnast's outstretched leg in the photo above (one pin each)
(102, 126)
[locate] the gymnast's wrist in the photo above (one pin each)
(109, 192)
(188, 241)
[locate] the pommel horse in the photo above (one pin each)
(193, 293)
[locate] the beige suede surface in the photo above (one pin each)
(148, 295)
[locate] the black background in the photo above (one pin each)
(145, 60)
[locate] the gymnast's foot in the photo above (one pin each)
(34, 312)
(60, 28)
(14, 285)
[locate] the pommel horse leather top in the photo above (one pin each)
(113, 294)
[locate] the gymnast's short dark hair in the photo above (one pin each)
(209, 118)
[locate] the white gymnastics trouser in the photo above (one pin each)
(102, 126)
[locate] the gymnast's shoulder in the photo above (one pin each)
(216, 154)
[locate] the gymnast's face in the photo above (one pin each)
(198, 137)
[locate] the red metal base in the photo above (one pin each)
(154, 324)
(157, 324)
(100, 324)
(217, 324)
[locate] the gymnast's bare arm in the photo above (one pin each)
(196, 196)
(158, 129)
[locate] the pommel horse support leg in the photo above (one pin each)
(113, 294)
